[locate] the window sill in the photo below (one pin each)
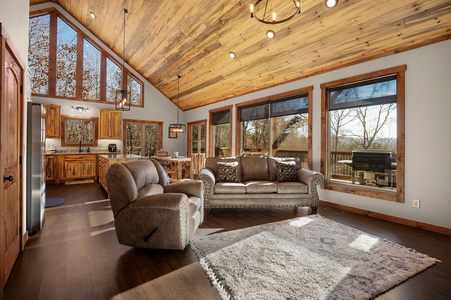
(364, 191)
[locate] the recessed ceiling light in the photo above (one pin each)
(232, 55)
(92, 15)
(270, 34)
(331, 3)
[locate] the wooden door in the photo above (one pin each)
(11, 79)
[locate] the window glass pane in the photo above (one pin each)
(202, 132)
(136, 90)
(151, 139)
(290, 137)
(221, 144)
(91, 71)
(375, 92)
(195, 134)
(133, 142)
(289, 107)
(113, 80)
(221, 117)
(38, 53)
(66, 60)
(256, 112)
(363, 138)
(256, 135)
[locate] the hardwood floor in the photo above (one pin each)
(77, 256)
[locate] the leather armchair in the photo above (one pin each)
(149, 212)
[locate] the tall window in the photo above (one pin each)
(66, 60)
(196, 137)
(363, 138)
(38, 53)
(91, 71)
(65, 63)
(220, 131)
(279, 126)
(142, 138)
(113, 79)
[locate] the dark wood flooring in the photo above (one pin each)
(77, 256)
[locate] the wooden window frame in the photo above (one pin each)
(190, 132)
(143, 122)
(210, 151)
(81, 35)
(397, 196)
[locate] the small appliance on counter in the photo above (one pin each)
(112, 147)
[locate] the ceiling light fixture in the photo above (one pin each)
(92, 15)
(331, 3)
(232, 55)
(80, 109)
(177, 128)
(262, 12)
(271, 18)
(123, 96)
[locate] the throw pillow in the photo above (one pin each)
(286, 171)
(228, 171)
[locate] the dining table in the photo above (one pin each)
(180, 164)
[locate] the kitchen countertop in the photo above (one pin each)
(93, 152)
(120, 156)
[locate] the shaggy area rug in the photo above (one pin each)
(305, 258)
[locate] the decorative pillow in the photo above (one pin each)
(286, 171)
(228, 171)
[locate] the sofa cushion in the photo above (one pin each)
(272, 165)
(150, 189)
(286, 171)
(260, 187)
(292, 188)
(211, 163)
(227, 172)
(254, 168)
(230, 188)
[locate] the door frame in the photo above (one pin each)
(6, 43)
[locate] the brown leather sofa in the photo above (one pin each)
(149, 212)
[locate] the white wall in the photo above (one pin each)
(156, 106)
(14, 18)
(428, 140)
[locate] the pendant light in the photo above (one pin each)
(177, 128)
(123, 96)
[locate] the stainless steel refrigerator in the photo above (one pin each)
(35, 167)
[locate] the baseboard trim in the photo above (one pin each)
(425, 226)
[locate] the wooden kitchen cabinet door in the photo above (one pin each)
(52, 120)
(110, 124)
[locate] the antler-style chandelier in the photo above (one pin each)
(123, 96)
(263, 15)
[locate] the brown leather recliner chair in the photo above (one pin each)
(149, 212)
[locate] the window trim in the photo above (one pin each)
(397, 196)
(275, 98)
(190, 135)
(54, 15)
(210, 127)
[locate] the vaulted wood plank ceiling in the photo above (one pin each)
(193, 38)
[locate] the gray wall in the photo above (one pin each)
(428, 141)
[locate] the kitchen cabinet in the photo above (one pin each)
(52, 120)
(50, 162)
(73, 166)
(110, 124)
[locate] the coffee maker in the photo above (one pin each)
(112, 147)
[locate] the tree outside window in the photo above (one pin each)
(38, 53)
(142, 138)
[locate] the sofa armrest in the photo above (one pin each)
(170, 201)
(312, 179)
(189, 187)
(208, 179)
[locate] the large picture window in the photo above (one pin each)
(362, 144)
(64, 63)
(277, 126)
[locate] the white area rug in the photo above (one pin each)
(305, 258)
